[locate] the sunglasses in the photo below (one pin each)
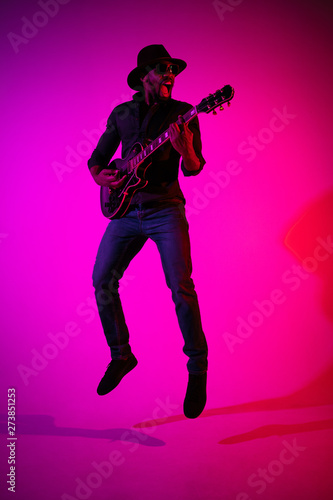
(162, 68)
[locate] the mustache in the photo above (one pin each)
(168, 80)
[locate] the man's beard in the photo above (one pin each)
(158, 94)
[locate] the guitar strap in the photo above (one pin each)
(145, 124)
(147, 120)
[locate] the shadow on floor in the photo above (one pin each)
(317, 393)
(43, 425)
(279, 430)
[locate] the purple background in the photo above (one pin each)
(59, 83)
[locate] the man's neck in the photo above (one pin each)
(151, 99)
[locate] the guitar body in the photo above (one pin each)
(115, 202)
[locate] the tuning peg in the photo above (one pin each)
(214, 112)
(221, 108)
(229, 104)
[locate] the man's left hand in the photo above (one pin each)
(181, 137)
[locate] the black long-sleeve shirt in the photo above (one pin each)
(125, 125)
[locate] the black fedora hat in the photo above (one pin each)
(147, 58)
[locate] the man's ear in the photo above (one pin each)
(143, 76)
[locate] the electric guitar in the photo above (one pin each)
(115, 202)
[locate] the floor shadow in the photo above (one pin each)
(43, 425)
(316, 393)
(279, 430)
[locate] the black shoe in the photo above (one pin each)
(116, 370)
(196, 396)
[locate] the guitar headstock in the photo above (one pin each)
(219, 98)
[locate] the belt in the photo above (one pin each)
(151, 204)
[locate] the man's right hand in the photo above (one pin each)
(107, 177)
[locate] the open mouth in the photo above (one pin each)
(166, 88)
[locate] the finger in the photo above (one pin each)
(115, 184)
(180, 124)
(176, 128)
(110, 171)
(106, 174)
(187, 130)
(172, 132)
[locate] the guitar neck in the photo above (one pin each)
(161, 139)
(207, 105)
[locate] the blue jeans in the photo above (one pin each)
(122, 240)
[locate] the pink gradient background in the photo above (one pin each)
(65, 81)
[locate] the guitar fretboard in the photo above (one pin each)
(161, 139)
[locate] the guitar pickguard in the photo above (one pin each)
(115, 202)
